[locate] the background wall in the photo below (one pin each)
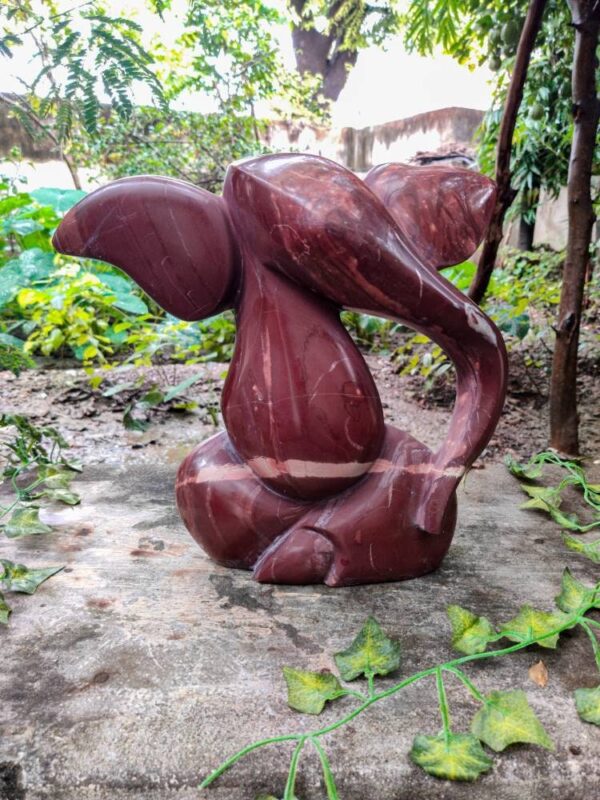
(445, 135)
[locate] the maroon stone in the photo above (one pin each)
(308, 484)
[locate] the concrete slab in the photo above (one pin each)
(140, 667)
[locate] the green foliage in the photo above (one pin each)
(590, 550)
(522, 299)
(371, 653)
(549, 498)
(458, 757)
(140, 398)
(505, 717)
(5, 610)
(66, 307)
(19, 578)
(530, 623)
(36, 450)
(587, 702)
(75, 50)
(309, 691)
(470, 633)
(352, 24)
(179, 144)
(575, 595)
(25, 521)
(12, 354)
(476, 33)
(227, 53)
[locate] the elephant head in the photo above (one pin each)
(294, 239)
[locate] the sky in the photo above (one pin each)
(384, 85)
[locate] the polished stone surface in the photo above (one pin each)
(308, 484)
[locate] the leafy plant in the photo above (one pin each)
(19, 578)
(140, 397)
(34, 453)
(549, 498)
(13, 356)
(505, 717)
(69, 307)
(74, 51)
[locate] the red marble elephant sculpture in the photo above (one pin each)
(307, 484)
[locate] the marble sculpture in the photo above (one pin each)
(307, 484)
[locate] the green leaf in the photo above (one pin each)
(506, 719)
(19, 578)
(181, 387)
(587, 702)
(527, 472)
(309, 691)
(65, 496)
(153, 397)
(531, 624)
(545, 498)
(25, 522)
(118, 388)
(61, 200)
(132, 423)
(131, 304)
(56, 487)
(578, 544)
(574, 595)
(5, 610)
(470, 633)
(461, 758)
(371, 653)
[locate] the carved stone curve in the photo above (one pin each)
(307, 484)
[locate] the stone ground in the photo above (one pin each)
(142, 665)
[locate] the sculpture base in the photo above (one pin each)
(366, 534)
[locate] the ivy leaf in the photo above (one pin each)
(544, 498)
(25, 522)
(568, 521)
(531, 624)
(5, 610)
(527, 472)
(309, 691)
(61, 496)
(371, 653)
(470, 633)
(548, 499)
(19, 578)
(587, 702)
(590, 550)
(575, 595)
(461, 758)
(506, 719)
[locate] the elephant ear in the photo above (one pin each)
(173, 239)
(443, 212)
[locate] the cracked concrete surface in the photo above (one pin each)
(142, 665)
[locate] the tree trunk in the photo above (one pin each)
(525, 234)
(586, 112)
(319, 54)
(529, 202)
(506, 194)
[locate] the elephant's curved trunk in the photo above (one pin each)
(320, 225)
